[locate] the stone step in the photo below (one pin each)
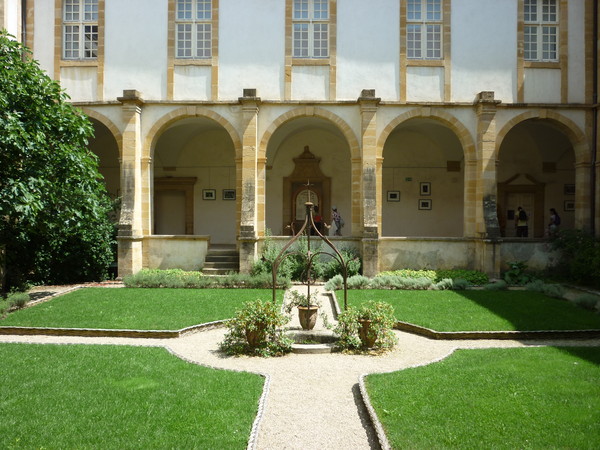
(221, 260)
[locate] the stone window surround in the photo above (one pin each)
(213, 61)
(444, 62)
(59, 62)
(330, 61)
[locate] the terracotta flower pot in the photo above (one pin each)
(308, 316)
(366, 337)
(255, 337)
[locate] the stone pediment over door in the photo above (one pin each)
(306, 179)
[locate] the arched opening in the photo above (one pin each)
(423, 180)
(536, 170)
(326, 166)
(104, 145)
(195, 181)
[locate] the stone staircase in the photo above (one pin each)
(221, 259)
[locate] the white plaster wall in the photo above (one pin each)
(542, 85)
(576, 51)
(368, 49)
(81, 83)
(192, 82)
(425, 84)
(43, 39)
(484, 49)
(11, 19)
(251, 48)
(136, 48)
(310, 83)
(395, 253)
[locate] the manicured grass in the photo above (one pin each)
(136, 308)
(75, 396)
(497, 398)
(480, 310)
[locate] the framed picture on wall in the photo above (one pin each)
(228, 194)
(393, 196)
(425, 188)
(209, 194)
(569, 205)
(424, 203)
(569, 189)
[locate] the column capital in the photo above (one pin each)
(131, 97)
(367, 100)
(250, 101)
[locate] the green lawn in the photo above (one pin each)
(136, 308)
(75, 396)
(495, 398)
(480, 310)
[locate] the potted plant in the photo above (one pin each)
(308, 307)
(256, 329)
(368, 326)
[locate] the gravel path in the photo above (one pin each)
(312, 401)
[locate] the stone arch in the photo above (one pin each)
(109, 124)
(183, 113)
(462, 133)
(564, 124)
(310, 111)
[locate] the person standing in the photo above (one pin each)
(554, 222)
(521, 223)
(337, 221)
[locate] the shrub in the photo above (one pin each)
(264, 318)
(499, 285)
(410, 273)
(444, 284)
(382, 321)
(551, 290)
(17, 300)
(580, 257)
(335, 283)
(516, 274)
(459, 284)
(588, 301)
(473, 277)
(358, 282)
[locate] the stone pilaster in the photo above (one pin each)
(371, 172)
(248, 235)
(486, 178)
(130, 225)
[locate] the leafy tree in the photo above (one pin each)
(54, 209)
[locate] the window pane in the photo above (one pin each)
(90, 41)
(204, 10)
(184, 40)
(434, 10)
(413, 10)
(71, 11)
(71, 41)
(530, 7)
(321, 9)
(184, 9)
(549, 13)
(204, 40)
(301, 9)
(301, 40)
(530, 44)
(90, 10)
(413, 41)
(320, 40)
(434, 41)
(549, 44)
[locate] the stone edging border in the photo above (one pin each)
(101, 332)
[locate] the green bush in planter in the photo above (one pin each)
(382, 321)
(264, 318)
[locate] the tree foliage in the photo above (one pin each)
(54, 209)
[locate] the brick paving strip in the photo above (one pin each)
(310, 401)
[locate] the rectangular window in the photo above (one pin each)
(310, 20)
(424, 29)
(80, 29)
(193, 29)
(541, 30)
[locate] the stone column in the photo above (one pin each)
(370, 202)
(248, 237)
(486, 186)
(130, 225)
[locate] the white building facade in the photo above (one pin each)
(426, 122)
